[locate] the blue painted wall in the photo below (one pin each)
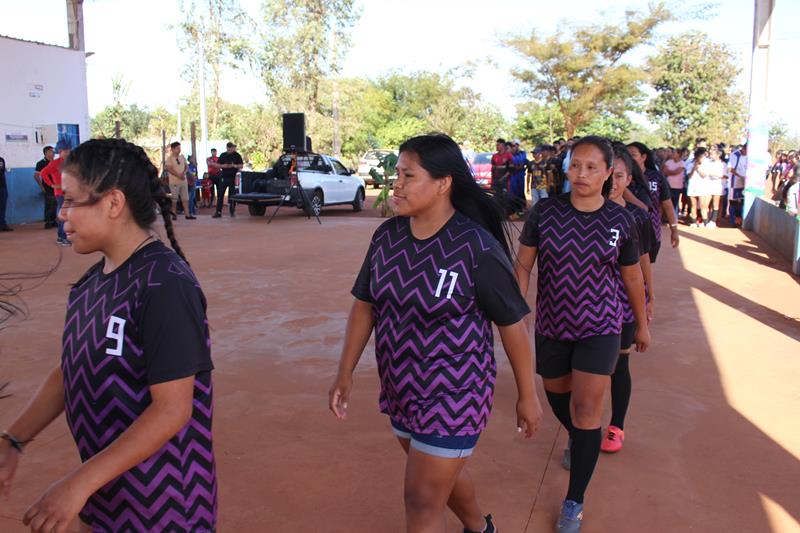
(25, 198)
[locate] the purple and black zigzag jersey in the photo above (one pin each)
(138, 326)
(433, 302)
(644, 229)
(578, 257)
(659, 191)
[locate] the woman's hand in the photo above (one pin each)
(57, 507)
(339, 395)
(650, 309)
(674, 237)
(9, 457)
(642, 339)
(529, 414)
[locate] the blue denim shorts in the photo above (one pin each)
(438, 446)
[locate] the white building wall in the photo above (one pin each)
(42, 86)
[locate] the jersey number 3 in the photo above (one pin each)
(115, 332)
(614, 237)
(442, 278)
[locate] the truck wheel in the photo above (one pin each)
(316, 201)
(358, 203)
(257, 210)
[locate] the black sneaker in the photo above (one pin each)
(217, 215)
(233, 213)
(6, 228)
(190, 217)
(488, 529)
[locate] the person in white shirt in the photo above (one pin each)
(698, 188)
(714, 169)
(674, 169)
(737, 166)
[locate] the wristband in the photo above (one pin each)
(15, 442)
(673, 226)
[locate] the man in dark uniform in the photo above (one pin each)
(230, 162)
(49, 194)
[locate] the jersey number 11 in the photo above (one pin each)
(443, 277)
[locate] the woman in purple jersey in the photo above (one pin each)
(435, 278)
(624, 167)
(660, 195)
(135, 373)
(581, 239)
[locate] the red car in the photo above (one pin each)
(482, 169)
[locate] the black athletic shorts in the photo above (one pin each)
(627, 335)
(595, 355)
(654, 250)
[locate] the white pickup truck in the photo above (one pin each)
(323, 178)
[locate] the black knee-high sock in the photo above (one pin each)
(583, 456)
(620, 391)
(559, 402)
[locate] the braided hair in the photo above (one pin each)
(105, 164)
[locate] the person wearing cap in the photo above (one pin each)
(51, 176)
(178, 185)
(230, 162)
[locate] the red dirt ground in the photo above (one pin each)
(712, 444)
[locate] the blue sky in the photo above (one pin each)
(133, 38)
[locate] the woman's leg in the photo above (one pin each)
(586, 410)
(621, 385)
(714, 208)
(698, 208)
(462, 500)
(429, 484)
(676, 196)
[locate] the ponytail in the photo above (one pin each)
(441, 157)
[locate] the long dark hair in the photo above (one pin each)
(649, 160)
(621, 152)
(105, 164)
(441, 157)
(604, 145)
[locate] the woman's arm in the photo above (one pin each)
(359, 328)
(634, 286)
(647, 273)
(516, 342)
(44, 407)
(523, 266)
(631, 198)
(168, 413)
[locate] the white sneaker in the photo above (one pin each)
(711, 224)
(694, 225)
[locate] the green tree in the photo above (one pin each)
(583, 73)
(134, 120)
(780, 139)
(694, 79)
(537, 124)
(221, 27)
(303, 43)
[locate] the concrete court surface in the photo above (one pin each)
(713, 440)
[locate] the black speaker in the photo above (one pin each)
(294, 131)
